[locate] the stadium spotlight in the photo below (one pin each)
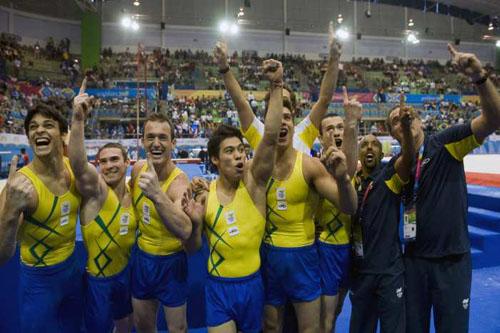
(126, 22)
(241, 13)
(412, 38)
(230, 28)
(340, 19)
(411, 23)
(342, 34)
(137, 3)
(234, 29)
(223, 27)
(498, 43)
(240, 16)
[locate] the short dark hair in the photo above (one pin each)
(220, 134)
(48, 111)
(113, 145)
(328, 115)
(379, 144)
(161, 118)
(289, 103)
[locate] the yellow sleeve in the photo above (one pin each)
(395, 184)
(305, 135)
(459, 149)
(254, 133)
(307, 132)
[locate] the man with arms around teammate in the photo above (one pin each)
(233, 212)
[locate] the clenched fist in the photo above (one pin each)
(18, 190)
(220, 54)
(273, 71)
(335, 162)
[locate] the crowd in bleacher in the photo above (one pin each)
(186, 69)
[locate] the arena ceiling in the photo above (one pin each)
(475, 11)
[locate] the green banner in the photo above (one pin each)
(91, 39)
(497, 58)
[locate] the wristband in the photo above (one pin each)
(224, 70)
(277, 84)
(481, 80)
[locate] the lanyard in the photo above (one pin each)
(365, 196)
(418, 171)
(357, 241)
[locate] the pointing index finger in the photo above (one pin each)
(83, 87)
(345, 96)
(13, 167)
(452, 50)
(331, 31)
(401, 101)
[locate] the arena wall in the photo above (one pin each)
(32, 28)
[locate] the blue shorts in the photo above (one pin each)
(107, 299)
(290, 274)
(334, 265)
(237, 299)
(51, 298)
(160, 277)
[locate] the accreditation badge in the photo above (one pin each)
(410, 224)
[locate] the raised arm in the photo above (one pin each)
(489, 120)
(168, 205)
(86, 175)
(263, 161)
(15, 198)
(331, 180)
(404, 162)
(329, 82)
(353, 113)
(245, 112)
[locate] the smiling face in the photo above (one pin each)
(231, 159)
(44, 136)
(370, 152)
(332, 131)
(112, 165)
(157, 141)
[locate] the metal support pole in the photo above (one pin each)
(285, 18)
(11, 18)
(163, 23)
(355, 40)
(405, 53)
